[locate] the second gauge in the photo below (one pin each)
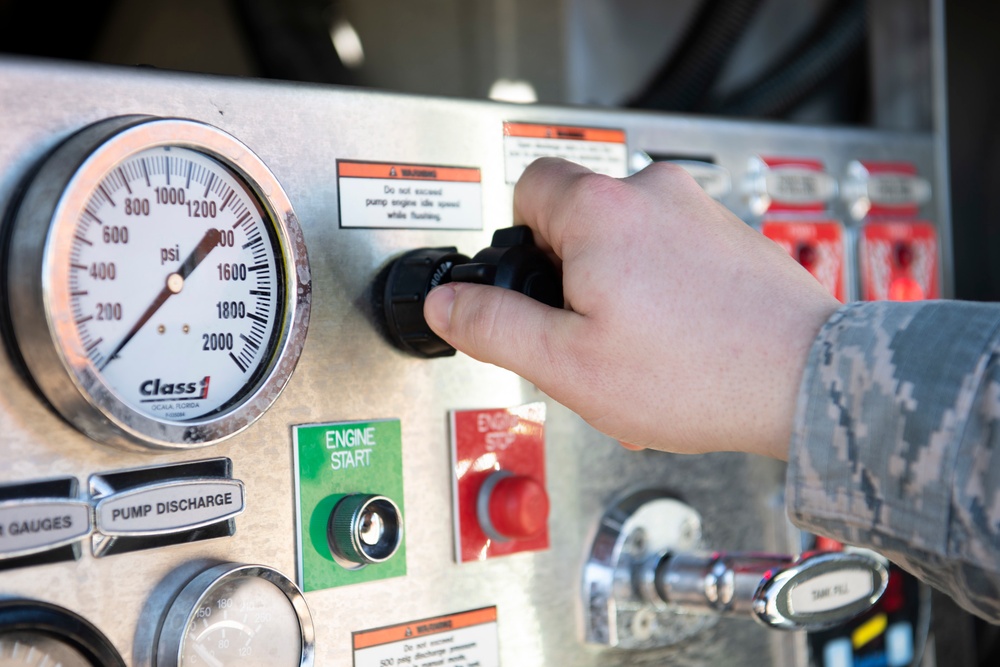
(233, 614)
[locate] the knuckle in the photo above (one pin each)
(590, 185)
(667, 171)
(544, 164)
(595, 193)
(669, 176)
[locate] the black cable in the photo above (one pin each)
(835, 41)
(70, 31)
(290, 39)
(685, 80)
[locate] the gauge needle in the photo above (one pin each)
(175, 283)
(206, 656)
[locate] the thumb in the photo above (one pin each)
(502, 327)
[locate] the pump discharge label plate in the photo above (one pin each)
(466, 639)
(389, 195)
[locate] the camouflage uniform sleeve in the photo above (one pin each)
(897, 420)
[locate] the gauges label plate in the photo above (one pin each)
(38, 524)
(390, 195)
(599, 149)
(466, 638)
(332, 461)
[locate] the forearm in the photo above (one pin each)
(896, 422)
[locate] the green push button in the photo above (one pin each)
(349, 502)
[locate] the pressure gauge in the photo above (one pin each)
(231, 614)
(158, 283)
(38, 634)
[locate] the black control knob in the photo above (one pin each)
(512, 261)
(410, 278)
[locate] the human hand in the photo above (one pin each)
(685, 330)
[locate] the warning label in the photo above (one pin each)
(409, 196)
(599, 149)
(467, 639)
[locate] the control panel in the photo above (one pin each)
(227, 436)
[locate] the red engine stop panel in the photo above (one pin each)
(500, 503)
(898, 261)
(818, 245)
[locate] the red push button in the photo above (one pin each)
(817, 244)
(500, 500)
(898, 260)
(516, 506)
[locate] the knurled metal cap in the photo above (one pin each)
(364, 529)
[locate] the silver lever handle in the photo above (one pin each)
(647, 581)
(815, 591)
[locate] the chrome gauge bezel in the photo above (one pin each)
(50, 623)
(37, 293)
(182, 611)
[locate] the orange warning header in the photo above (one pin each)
(408, 172)
(534, 131)
(428, 626)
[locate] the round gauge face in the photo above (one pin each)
(175, 284)
(26, 648)
(158, 283)
(246, 621)
(39, 634)
(232, 614)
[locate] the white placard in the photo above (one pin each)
(397, 196)
(600, 150)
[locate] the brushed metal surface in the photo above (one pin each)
(349, 372)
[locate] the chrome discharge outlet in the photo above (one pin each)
(648, 581)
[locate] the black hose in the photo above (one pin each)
(683, 83)
(833, 43)
(290, 39)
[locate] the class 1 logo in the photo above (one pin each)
(157, 388)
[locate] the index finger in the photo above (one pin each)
(542, 198)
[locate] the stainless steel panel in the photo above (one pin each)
(349, 372)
